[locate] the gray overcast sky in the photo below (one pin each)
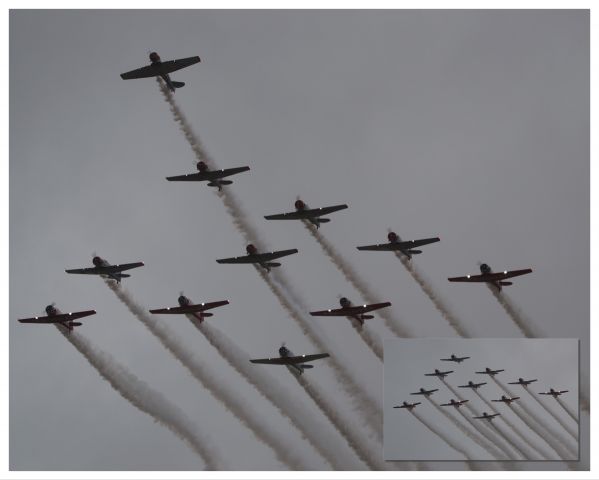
(553, 362)
(470, 125)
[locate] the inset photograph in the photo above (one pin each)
(481, 399)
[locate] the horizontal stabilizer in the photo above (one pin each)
(324, 220)
(307, 366)
(414, 252)
(505, 284)
(273, 264)
(178, 84)
(207, 314)
(75, 324)
(366, 317)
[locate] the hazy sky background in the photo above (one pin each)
(469, 125)
(554, 363)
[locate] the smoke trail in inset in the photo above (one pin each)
(362, 402)
(426, 287)
(149, 401)
(489, 446)
(442, 436)
(211, 380)
(352, 276)
(484, 429)
(555, 417)
(513, 312)
(544, 455)
(289, 405)
(516, 446)
(555, 439)
(346, 427)
(567, 409)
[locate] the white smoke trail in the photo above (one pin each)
(482, 427)
(524, 453)
(360, 400)
(555, 417)
(374, 343)
(426, 287)
(477, 437)
(567, 409)
(229, 397)
(149, 401)
(529, 443)
(352, 276)
(443, 437)
(349, 430)
(555, 439)
(289, 405)
(516, 316)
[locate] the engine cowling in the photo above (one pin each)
(345, 303)
(299, 205)
(183, 300)
(50, 310)
(251, 249)
(202, 167)
(97, 261)
(393, 237)
(484, 268)
(154, 57)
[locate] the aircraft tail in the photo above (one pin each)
(178, 84)
(124, 275)
(75, 324)
(415, 252)
(273, 264)
(324, 220)
(505, 284)
(367, 317)
(207, 314)
(307, 366)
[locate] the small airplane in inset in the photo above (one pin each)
(396, 244)
(554, 393)
(491, 373)
(497, 279)
(302, 212)
(486, 416)
(106, 270)
(424, 392)
(506, 400)
(521, 381)
(454, 403)
(262, 259)
(408, 405)
(295, 363)
(187, 307)
(54, 316)
(472, 385)
(158, 68)
(213, 177)
(439, 374)
(348, 310)
(455, 359)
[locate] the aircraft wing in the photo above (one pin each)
(258, 257)
(491, 277)
(143, 72)
(58, 318)
(335, 312)
(201, 307)
(174, 65)
(106, 270)
(207, 176)
(290, 360)
(407, 245)
(346, 312)
(301, 214)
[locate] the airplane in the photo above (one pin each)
(106, 270)
(506, 400)
(454, 403)
(303, 213)
(424, 392)
(262, 259)
(396, 244)
(472, 385)
(488, 371)
(521, 381)
(486, 416)
(438, 373)
(453, 358)
(295, 364)
(495, 279)
(55, 316)
(186, 307)
(158, 68)
(213, 177)
(553, 393)
(408, 405)
(348, 310)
